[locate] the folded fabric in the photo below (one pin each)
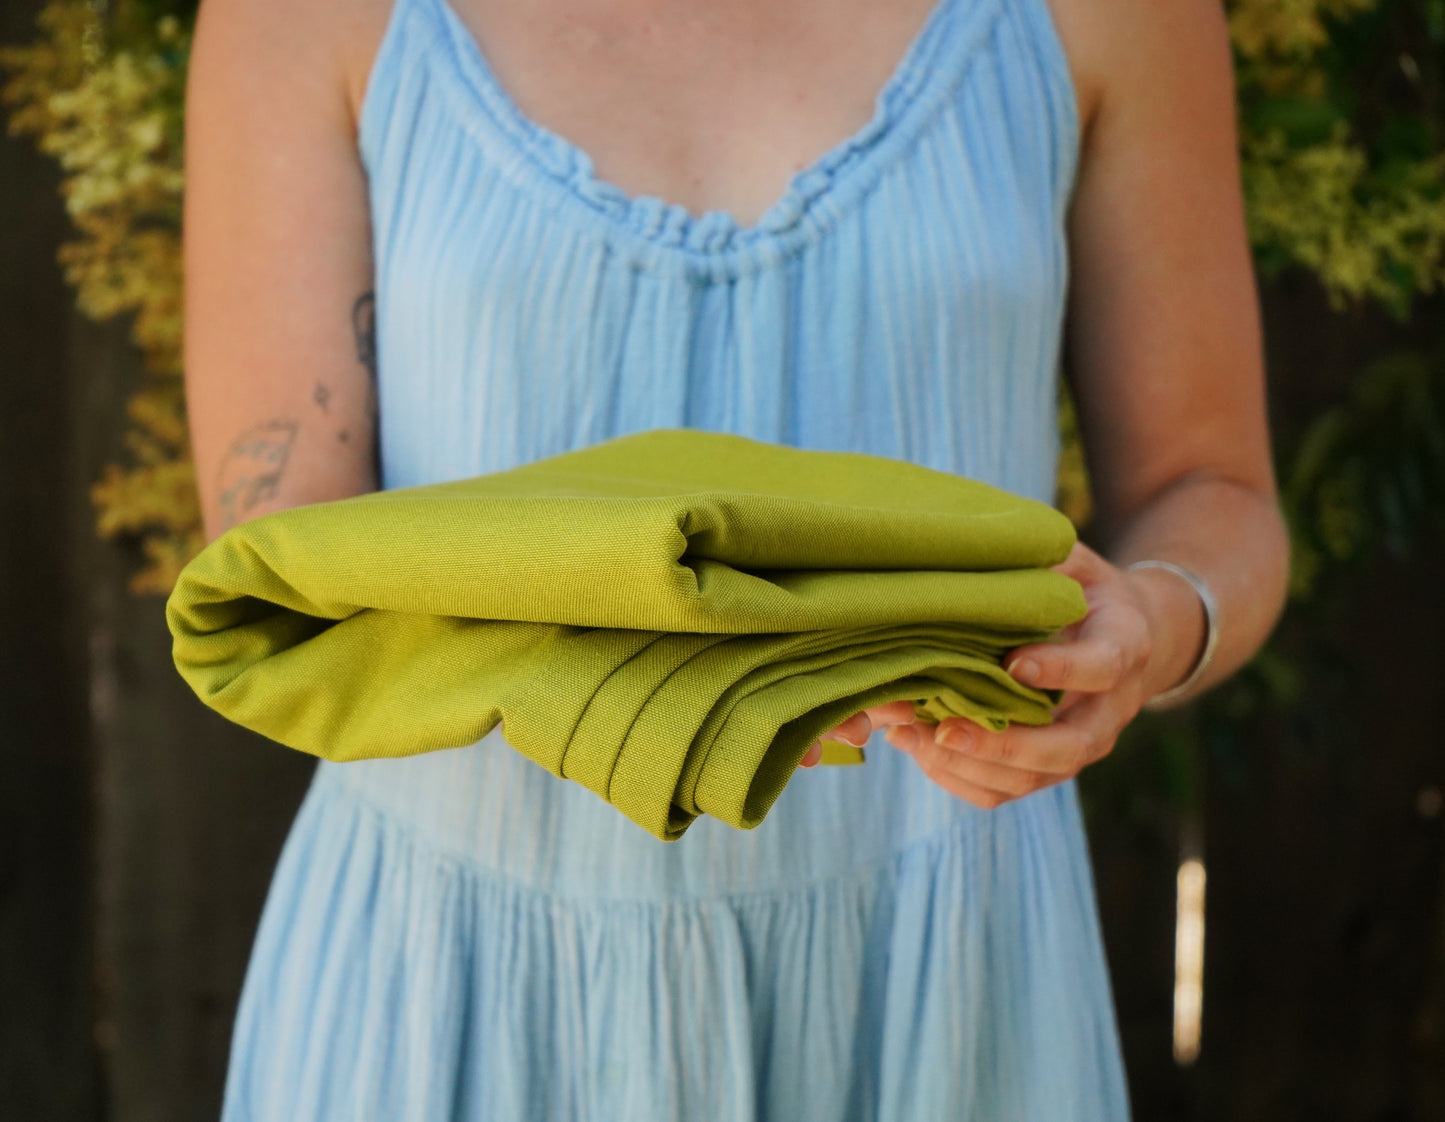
(669, 618)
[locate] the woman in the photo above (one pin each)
(430, 239)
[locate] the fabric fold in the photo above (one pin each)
(669, 618)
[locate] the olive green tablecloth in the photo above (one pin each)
(669, 618)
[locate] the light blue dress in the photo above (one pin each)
(460, 935)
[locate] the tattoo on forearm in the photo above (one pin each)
(363, 323)
(363, 326)
(251, 469)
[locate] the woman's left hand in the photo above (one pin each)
(1102, 663)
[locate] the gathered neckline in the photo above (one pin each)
(660, 232)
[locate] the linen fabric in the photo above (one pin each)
(669, 618)
(459, 935)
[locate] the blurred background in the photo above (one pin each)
(1270, 861)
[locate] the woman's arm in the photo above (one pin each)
(278, 271)
(1164, 354)
(1164, 350)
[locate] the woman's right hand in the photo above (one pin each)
(859, 727)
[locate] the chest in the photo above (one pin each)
(908, 304)
(713, 106)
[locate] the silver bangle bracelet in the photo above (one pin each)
(1211, 631)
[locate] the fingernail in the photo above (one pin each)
(1025, 670)
(903, 737)
(957, 737)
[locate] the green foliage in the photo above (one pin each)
(1071, 484)
(1370, 471)
(1364, 231)
(105, 97)
(1350, 187)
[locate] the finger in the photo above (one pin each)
(1066, 634)
(892, 713)
(903, 737)
(1014, 782)
(980, 797)
(1092, 664)
(812, 755)
(1069, 699)
(855, 730)
(1062, 748)
(1099, 717)
(860, 726)
(1082, 563)
(917, 741)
